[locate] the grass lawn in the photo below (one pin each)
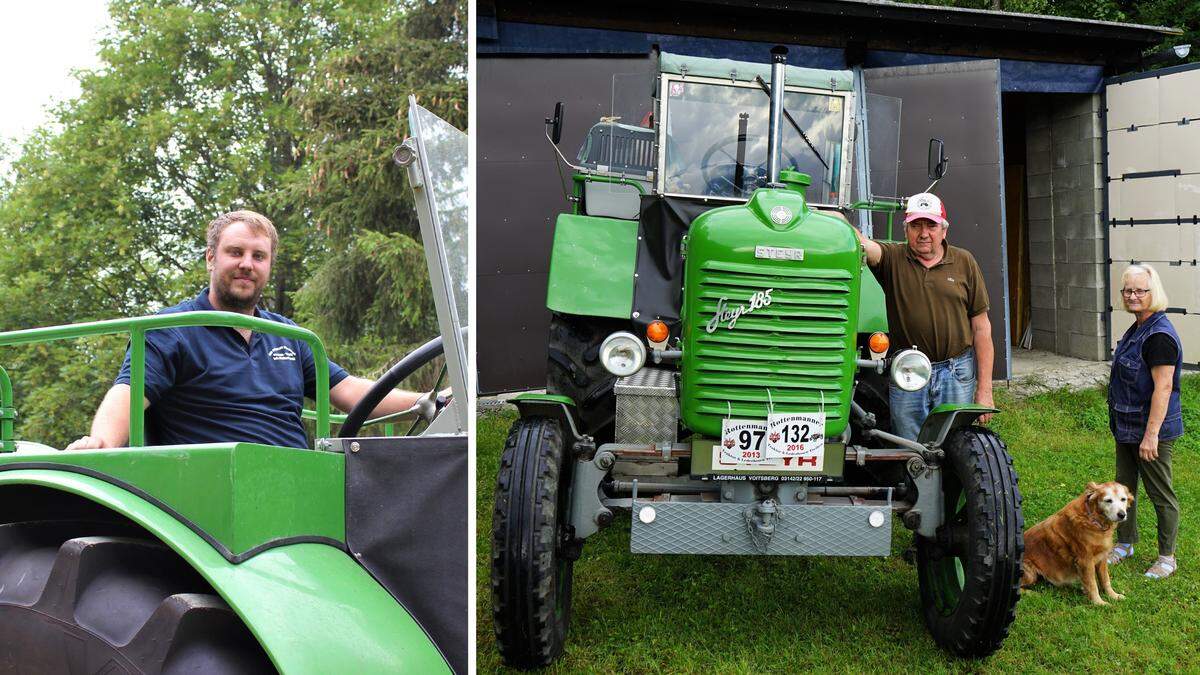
(749, 614)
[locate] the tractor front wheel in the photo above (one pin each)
(77, 598)
(970, 573)
(531, 572)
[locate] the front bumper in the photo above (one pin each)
(727, 528)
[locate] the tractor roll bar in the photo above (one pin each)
(137, 327)
(7, 413)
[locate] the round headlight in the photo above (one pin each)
(911, 369)
(622, 353)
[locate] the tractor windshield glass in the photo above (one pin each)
(445, 149)
(716, 139)
(440, 183)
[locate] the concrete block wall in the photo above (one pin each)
(1064, 184)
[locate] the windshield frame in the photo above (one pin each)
(660, 133)
(423, 181)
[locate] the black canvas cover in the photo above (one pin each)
(659, 281)
(406, 522)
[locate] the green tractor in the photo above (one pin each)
(349, 556)
(718, 366)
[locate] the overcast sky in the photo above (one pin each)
(41, 41)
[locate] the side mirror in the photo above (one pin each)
(555, 123)
(938, 161)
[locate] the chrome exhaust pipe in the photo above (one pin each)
(775, 135)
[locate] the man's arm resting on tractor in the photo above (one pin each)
(347, 393)
(985, 353)
(874, 250)
(110, 427)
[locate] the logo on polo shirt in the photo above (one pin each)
(282, 353)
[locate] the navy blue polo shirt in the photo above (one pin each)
(206, 384)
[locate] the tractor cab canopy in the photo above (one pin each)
(708, 134)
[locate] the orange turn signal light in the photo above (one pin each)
(657, 331)
(879, 343)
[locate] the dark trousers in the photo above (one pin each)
(1157, 477)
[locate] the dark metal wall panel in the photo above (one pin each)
(514, 327)
(959, 103)
(1015, 75)
(520, 193)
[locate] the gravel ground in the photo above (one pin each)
(1035, 372)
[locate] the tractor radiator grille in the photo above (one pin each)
(796, 354)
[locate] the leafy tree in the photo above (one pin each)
(356, 113)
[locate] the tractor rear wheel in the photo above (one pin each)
(80, 597)
(970, 573)
(531, 570)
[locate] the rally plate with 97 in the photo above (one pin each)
(784, 447)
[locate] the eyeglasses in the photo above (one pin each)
(1134, 292)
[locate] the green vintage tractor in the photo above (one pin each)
(718, 366)
(349, 556)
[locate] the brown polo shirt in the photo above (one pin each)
(931, 307)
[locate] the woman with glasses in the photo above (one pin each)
(1144, 412)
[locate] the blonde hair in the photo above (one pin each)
(1158, 296)
(257, 222)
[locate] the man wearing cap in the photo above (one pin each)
(937, 302)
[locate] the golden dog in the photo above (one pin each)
(1074, 543)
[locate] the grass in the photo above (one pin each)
(652, 614)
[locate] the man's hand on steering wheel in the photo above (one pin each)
(396, 374)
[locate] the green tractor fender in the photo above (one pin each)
(937, 427)
(592, 266)
(948, 417)
(553, 406)
(311, 607)
(584, 475)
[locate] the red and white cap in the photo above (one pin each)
(925, 205)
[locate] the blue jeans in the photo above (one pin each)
(952, 381)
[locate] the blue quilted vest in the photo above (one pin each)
(1131, 385)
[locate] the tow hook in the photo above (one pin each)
(761, 521)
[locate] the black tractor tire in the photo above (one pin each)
(970, 574)
(872, 394)
(531, 574)
(574, 370)
(76, 598)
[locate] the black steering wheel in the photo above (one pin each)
(394, 376)
(718, 176)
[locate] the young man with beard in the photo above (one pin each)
(211, 384)
(937, 302)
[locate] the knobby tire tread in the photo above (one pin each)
(987, 605)
(165, 619)
(525, 562)
(574, 370)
